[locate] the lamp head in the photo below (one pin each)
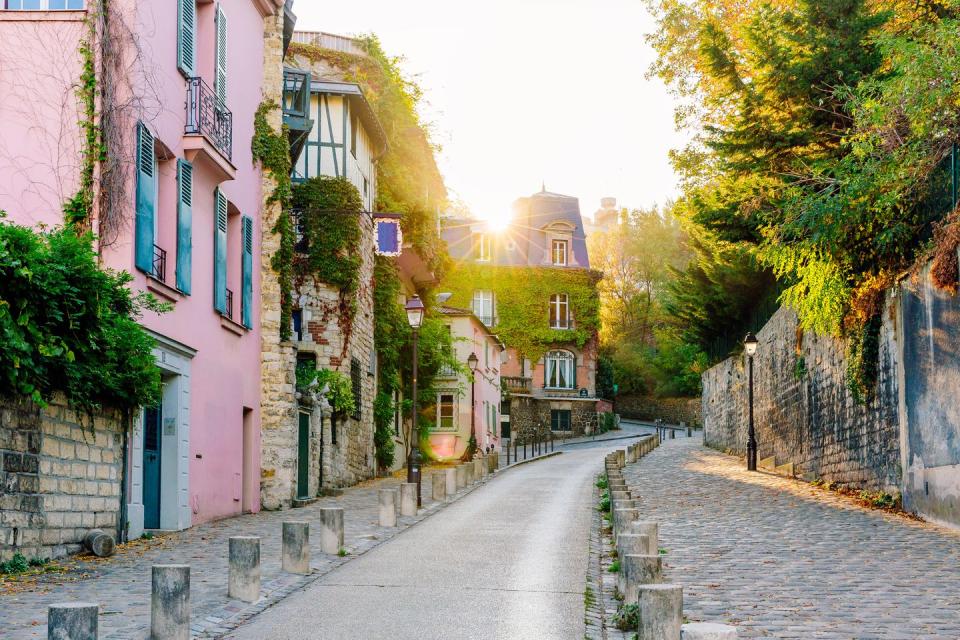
(473, 361)
(414, 309)
(750, 344)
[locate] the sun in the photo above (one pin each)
(496, 222)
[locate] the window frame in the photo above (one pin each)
(558, 302)
(44, 6)
(490, 320)
(556, 423)
(484, 246)
(565, 245)
(564, 359)
(454, 411)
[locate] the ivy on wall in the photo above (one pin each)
(522, 297)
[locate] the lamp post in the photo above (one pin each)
(472, 362)
(750, 347)
(414, 309)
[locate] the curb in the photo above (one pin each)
(528, 460)
(636, 435)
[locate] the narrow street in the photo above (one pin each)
(507, 561)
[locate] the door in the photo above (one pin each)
(152, 420)
(303, 457)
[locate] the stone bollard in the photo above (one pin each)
(660, 611)
(649, 529)
(331, 529)
(295, 547)
(637, 570)
(461, 476)
(99, 543)
(484, 466)
(439, 487)
(408, 499)
(707, 631)
(72, 621)
(170, 602)
(451, 482)
(468, 470)
(621, 519)
(632, 544)
(244, 578)
(493, 462)
(477, 469)
(388, 507)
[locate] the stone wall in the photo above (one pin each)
(530, 417)
(670, 410)
(804, 412)
(60, 477)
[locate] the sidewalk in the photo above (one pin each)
(121, 584)
(779, 558)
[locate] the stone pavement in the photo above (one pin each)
(779, 558)
(121, 585)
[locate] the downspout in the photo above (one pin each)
(123, 524)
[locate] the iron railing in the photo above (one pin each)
(229, 311)
(516, 384)
(159, 264)
(208, 116)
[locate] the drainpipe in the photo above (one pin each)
(123, 525)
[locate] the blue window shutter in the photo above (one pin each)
(146, 200)
(187, 37)
(246, 279)
(219, 251)
(220, 58)
(184, 224)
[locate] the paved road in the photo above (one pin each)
(507, 561)
(781, 559)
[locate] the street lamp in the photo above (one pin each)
(750, 347)
(414, 309)
(472, 362)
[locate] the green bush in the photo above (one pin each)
(383, 442)
(339, 389)
(604, 502)
(67, 325)
(627, 617)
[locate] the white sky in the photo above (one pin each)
(527, 90)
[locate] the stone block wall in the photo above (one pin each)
(530, 416)
(60, 476)
(804, 412)
(670, 410)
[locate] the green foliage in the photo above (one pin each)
(627, 617)
(78, 208)
(605, 377)
(604, 506)
(339, 389)
(523, 297)
(67, 325)
(800, 368)
(384, 409)
(614, 567)
(390, 328)
(272, 150)
(331, 210)
(862, 359)
(602, 482)
(17, 564)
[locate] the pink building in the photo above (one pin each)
(464, 406)
(176, 202)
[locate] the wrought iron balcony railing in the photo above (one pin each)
(208, 116)
(516, 384)
(159, 264)
(229, 312)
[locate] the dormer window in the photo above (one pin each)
(559, 253)
(483, 247)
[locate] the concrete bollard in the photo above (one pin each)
(99, 543)
(244, 578)
(331, 529)
(295, 547)
(408, 499)
(468, 469)
(439, 487)
(484, 467)
(396, 500)
(649, 529)
(451, 482)
(170, 602)
(707, 631)
(660, 611)
(388, 507)
(493, 462)
(477, 469)
(72, 621)
(632, 544)
(461, 476)
(637, 570)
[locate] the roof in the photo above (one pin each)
(459, 312)
(352, 92)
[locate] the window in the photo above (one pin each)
(446, 411)
(44, 5)
(560, 420)
(484, 306)
(145, 224)
(560, 253)
(559, 370)
(559, 311)
(356, 387)
(186, 36)
(483, 247)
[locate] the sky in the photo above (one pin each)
(525, 93)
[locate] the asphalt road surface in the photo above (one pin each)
(507, 561)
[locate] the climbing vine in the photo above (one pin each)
(522, 297)
(271, 149)
(78, 208)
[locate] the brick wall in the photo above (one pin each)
(60, 477)
(805, 414)
(670, 410)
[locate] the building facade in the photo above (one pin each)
(532, 283)
(175, 200)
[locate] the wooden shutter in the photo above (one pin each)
(184, 224)
(220, 79)
(219, 251)
(187, 37)
(146, 200)
(246, 278)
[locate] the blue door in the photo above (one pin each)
(151, 467)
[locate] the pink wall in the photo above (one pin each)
(38, 170)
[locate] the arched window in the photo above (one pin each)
(559, 370)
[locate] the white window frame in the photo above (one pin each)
(481, 298)
(559, 366)
(557, 248)
(483, 247)
(45, 6)
(560, 302)
(454, 409)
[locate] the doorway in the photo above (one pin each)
(152, 430)
(303, 457)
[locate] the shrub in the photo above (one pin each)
(627, 617)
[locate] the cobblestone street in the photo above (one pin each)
(779, 558)
(121, 585)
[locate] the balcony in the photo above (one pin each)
(159, 264)
(296, 109)
(229, 311)
(208, 128)
(516, 384)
